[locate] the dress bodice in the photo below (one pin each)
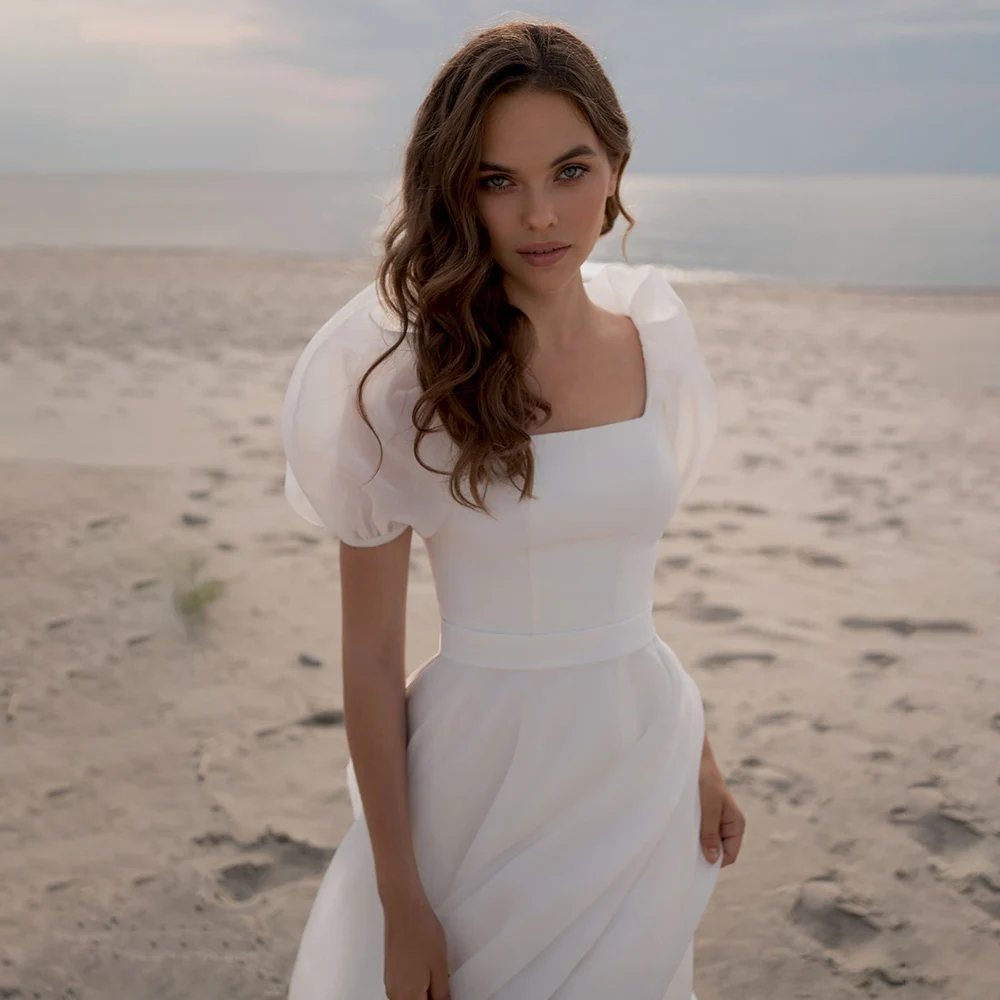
(582, 551)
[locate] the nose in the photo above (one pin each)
(538, 212)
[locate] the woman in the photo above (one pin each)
(533, 810)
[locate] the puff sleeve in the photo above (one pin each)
(679, 375)
(330, 452)
(692, 404)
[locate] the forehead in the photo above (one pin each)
(528, 128)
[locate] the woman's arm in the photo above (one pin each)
(373, 581)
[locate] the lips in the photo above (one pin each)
(545, 257)
(542, 247)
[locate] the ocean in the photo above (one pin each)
(916, 232)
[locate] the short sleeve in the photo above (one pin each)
(331, 454)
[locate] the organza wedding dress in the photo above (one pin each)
(555, 738)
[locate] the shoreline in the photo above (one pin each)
(713, 278)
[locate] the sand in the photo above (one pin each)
(171, 790)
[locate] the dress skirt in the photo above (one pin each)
(555, 817)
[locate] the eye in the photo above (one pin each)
(485, 183)
(575, 166)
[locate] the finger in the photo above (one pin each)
(711, 811)
(731, 823)
(731, 829)
(730, 849)
(439, 987)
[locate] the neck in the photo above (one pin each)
(559, 317)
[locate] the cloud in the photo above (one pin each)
(118, 61)
(225, 24)
(783, 85)
(878, 20)
(181, 25)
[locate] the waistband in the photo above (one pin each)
(538, 650)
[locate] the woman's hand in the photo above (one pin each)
(416, 953)
(721, 818)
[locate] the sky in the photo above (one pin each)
(710, 86)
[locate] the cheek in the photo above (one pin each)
(588, 202)
(494, 215)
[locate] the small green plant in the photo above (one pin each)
(191, 596)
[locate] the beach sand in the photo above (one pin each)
(171, 790)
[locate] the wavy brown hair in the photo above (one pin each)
(437, 275)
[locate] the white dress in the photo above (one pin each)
(555, 738)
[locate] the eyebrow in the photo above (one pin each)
(580, 150)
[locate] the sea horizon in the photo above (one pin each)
(929, 233)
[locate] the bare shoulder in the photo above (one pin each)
(615, 326)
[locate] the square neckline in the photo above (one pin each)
(647, 383)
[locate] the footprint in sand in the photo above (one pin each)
(834, 917)
(907, 626)
(699, 533)
(906, 704)
(765, 720)
(771, 782)
(955, 835)
(878, 659)
(714, 613)
(813, 558)
(664, 567)
(676, 562)
(831, 517)
(772, 551)
(839, 448)
(106, 521)
(277, 859)
(324, 718)
(749, 508)
(216, 474)
(751, 461)
(716, 661)
(943, 828)
(693, 607)
(983, 890)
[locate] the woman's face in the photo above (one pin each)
(544, 178)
